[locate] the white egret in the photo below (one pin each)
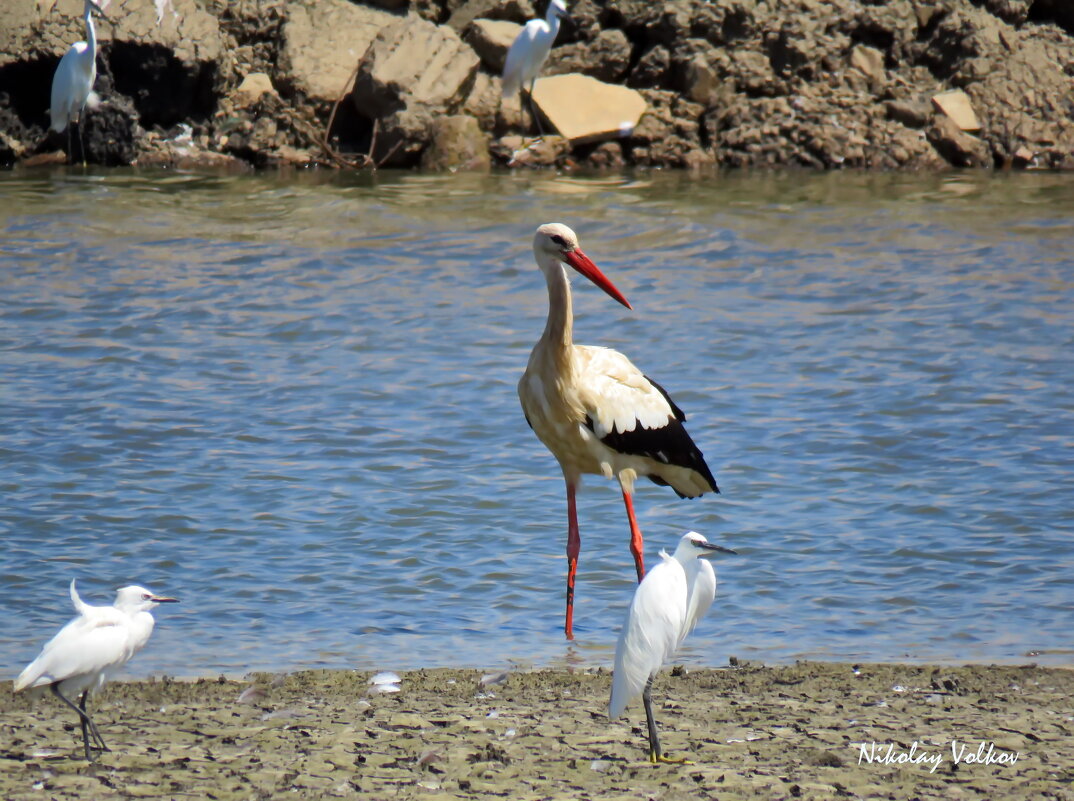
(529, 52)
(72, 84)
(91, 647)
(596, 411)
(666, 607)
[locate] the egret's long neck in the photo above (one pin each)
(553, 22)
(91, 33)
(559, 327)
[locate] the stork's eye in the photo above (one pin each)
(146, 596)
(559, 240)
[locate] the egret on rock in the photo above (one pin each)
(666, 607)
(72, 84)
(89, 649)
(596, 411)
(529, 52)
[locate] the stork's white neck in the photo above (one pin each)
(559, 327)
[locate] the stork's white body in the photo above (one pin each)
(594, 410)
(567, 388)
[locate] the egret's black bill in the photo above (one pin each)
(710, 547)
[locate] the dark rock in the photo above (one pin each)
(726, 22)
(911, 113)
(1012, 11)
(958, 148)
(401, 136)
(456, 143)
(519, 11)
(701, 81)
(491, 39)
(606, 58)
(650, 23)
(606, 156)
(652, 70)
(109, 133)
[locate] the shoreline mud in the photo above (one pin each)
(810, 730)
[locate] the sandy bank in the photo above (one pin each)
(783, 732)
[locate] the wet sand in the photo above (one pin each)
(753, 732)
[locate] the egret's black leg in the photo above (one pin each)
(88, 726)
(533, 110)
(654, 740)
(655, 754)
(81, 144)
(93, 726)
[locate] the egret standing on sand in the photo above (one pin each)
(666, 607)
(72, 84)
(596, 411)
(529, 52)
(91, 647)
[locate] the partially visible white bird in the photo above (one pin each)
(529, 52)
(667, 605)
(89, 649)
(72, 84)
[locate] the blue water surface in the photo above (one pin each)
(290, 401)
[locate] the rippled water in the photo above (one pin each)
(291, 402)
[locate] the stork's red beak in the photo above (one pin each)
(160, 599)
(583, 264)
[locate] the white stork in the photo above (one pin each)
(596, 411)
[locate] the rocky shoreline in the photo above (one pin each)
(877, 84)
(809, 730)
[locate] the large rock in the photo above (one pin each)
(957, 106)
(584, 109)
(413, 73)
(323, 40)
(483, 102)
(956, 146)
(491, 39)
(456, 143)
(414, 62)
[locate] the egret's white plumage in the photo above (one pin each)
(597, 412)
(666, 607)
(72, 83)
(530, 50)
(90, 648)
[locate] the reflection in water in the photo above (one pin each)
(291, 400)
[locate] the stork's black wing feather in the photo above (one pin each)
(669, 443)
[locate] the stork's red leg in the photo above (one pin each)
(574, 545)
(637, 548)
